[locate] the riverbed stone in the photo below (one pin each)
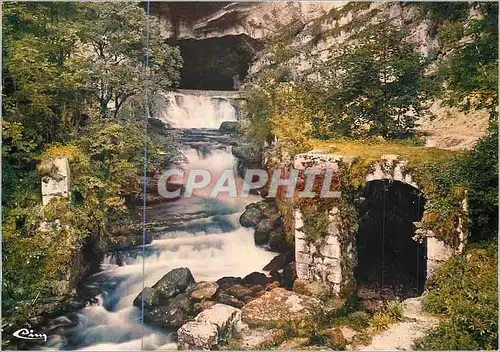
(230, 126)
(204, 291)
(209, 327)
(152, 298)
(228, 299)
(280, 261)
(251, 217)
(197, 336)
(227, 281)
(174, 282)
(222, 316)
(278, 306)
(239, 291)
(255, 278)
(172, 315)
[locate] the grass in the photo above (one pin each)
(373, 150)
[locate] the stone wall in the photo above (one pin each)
(319, 261)
(324, 260)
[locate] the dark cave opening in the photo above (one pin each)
(219, 63)
(388, 256)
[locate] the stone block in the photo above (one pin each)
(56, 181)
(303, 271)
(331, 250)
(438, 250)
(209, 326)
(197, 336)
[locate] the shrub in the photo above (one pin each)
(395, 310)
(358, 320)
(464, 289)
(380, 321)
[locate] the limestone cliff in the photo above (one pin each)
(224, 42)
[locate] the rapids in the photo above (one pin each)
(202, 234)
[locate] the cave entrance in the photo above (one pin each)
(388, 257)
(219, 63)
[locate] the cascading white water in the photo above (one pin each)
(197, 111)
(211, 243)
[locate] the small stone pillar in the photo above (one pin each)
(55, 179)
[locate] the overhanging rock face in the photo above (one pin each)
(333, 259)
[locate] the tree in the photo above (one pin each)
(376, 84)
(470, 70)
(113, 52)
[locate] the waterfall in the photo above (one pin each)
(191, 110)
(201, 233)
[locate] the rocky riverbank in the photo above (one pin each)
(207, 314)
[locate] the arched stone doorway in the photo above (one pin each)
(387, 255)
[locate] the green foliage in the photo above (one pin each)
(465, 291)
(64, 65)
(380, 321)
(472, 176)
(376, 84)
(480, 170)
(315, 225)
(275, 107)
(471, 71)
(113, 54)
(395, 310)
(358, 320)
(392, 313)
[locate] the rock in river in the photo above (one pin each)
(174, 282)
(175, 313)
(251, 217)
(204, 291)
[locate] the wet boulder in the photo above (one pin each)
(227, 281)
(251, 217)
(261, 238)
(230, 126)
(248, 153)
(277, 242)
(204, 291)
(255, 278)
(172, 315)
(152, 298)
(269, 224)
(265, 218)
(280, 261)
(289, 275)
(275, 277)
(267, 207)
(174, 282)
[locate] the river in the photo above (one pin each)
(202, 234)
